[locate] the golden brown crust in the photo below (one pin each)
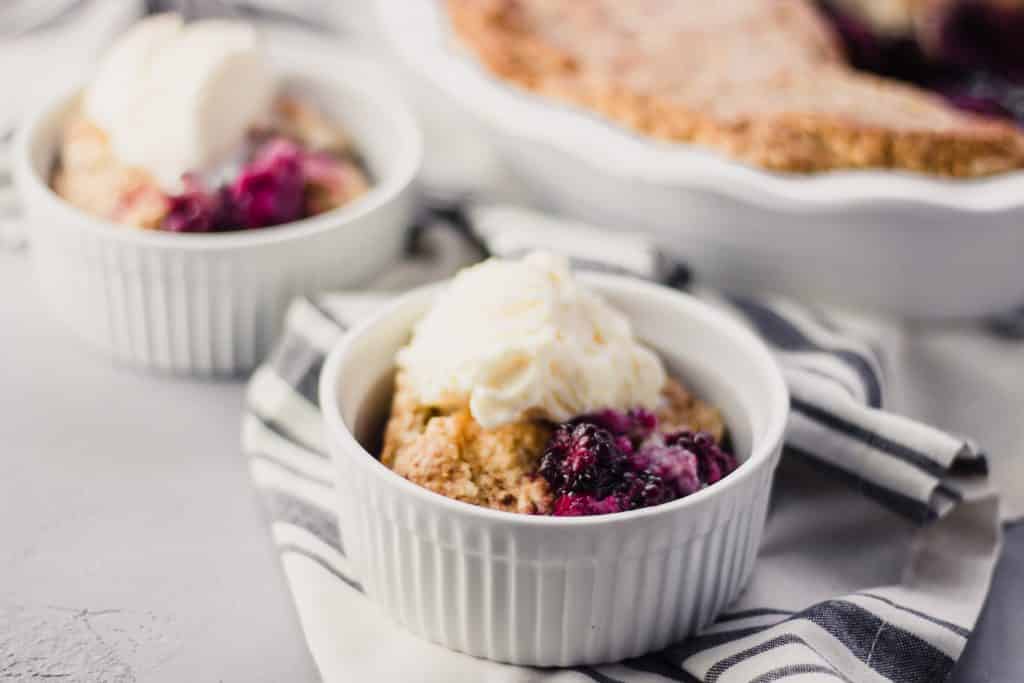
(93, 179)
(445, 450)
(501, 35)
(683, 410)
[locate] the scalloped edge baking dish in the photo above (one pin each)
(903, 243)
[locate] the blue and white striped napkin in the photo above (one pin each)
(878, 551)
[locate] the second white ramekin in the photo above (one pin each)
(211, 304)
(550, 591)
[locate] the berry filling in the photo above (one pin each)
(271, 189)
(975, 59)
(613, 461)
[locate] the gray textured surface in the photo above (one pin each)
(133, 547)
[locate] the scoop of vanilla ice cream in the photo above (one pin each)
(176, 97)
(525, 339)
(124, 70)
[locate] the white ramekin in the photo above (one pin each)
(551, 591)
(902, 243)
(210, 304)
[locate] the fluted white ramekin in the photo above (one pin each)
(210, 304)
(555, 591)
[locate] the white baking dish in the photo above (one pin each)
(210, 304)
(897, 242)
(558, 591)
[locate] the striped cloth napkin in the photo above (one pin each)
(878, 551)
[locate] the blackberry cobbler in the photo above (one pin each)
(522, 390)
(185, 129)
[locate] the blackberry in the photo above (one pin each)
(674, 464)
(713, 463)
(270, 190)
(195, 209)
(630, 428)
(582, 458)
(644, 489)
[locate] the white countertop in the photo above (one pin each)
(133, 544)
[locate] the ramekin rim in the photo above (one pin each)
(33, 187)
(760, 456)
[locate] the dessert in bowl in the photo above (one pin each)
(521, 390)
(184, 129)
(173, 237)
(511, 495)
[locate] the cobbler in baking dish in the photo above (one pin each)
(521, 390)
(767, 82)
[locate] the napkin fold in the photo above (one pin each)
(880, 542)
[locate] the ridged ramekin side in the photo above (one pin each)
(547, 595)
(199, 311)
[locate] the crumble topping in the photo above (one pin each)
(444, 450)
